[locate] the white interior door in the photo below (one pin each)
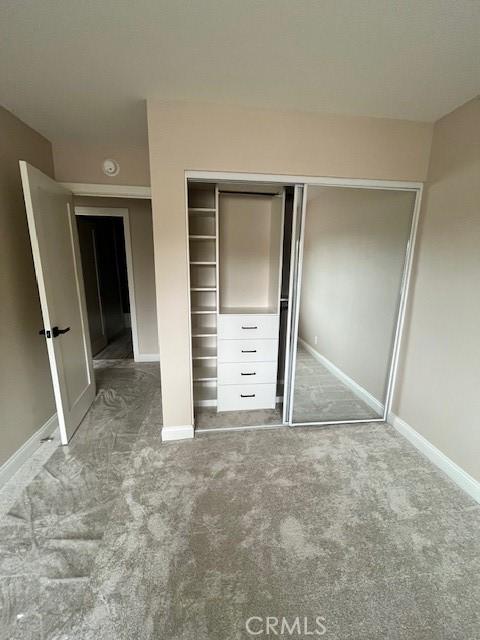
(56, 256)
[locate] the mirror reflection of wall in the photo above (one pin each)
(354, 249)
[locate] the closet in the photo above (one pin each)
(297, 293)
(236, 255)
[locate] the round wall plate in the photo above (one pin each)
(110, 168)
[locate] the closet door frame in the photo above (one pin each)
(290, 342)
(399, 323)
(353, 183)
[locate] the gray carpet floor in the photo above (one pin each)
(119, 349)
(121, 537)
(319, 396)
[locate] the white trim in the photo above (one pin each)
(297, 290)
(124, 214)
(464, 480)
(189, 298)
(288, 332)
(354, 183)
(26, 451)
(108, 190)
(404, 293)
(328, 423)
(177, 433)
(147, 357)
(246, 428)
(358, 390)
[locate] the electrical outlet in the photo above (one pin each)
(316, 339)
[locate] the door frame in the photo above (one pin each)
(401, 311)
(123, 213)
(108, 190)
(405, 290)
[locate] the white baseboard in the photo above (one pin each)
(359, 391)
(147, 357)
(26, 451)
(443, 462)
(177, 433)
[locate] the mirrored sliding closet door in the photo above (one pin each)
(351, 263)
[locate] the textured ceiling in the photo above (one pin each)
(83, 69)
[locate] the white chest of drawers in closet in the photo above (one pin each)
(247, 361)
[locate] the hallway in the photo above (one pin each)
(121, 537)
(119, 349)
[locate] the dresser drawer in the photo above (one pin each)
(235, 397)
(232, 326)
(247, 350)
(247, 373)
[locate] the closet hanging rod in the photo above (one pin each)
(251, 193)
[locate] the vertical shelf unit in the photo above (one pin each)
(203, 261)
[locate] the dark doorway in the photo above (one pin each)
(104, 263)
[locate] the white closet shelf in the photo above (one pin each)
(201, 210)
(204, 353)
(200, 310)
(204, 332)
(202, 237)
(271, 310)
(204, 373)
(203, 288)
(202, 393)
(203, 263)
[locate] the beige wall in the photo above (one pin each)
(249, 251)
(141, 232)
(354, 252)
(78, 162)
(438, 394)
(26, 395)
(212, 137)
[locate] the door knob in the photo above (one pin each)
(55, 332)
(58, 332)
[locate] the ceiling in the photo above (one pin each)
(83, 69)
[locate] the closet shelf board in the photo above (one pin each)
(204, 374)
(201, 310)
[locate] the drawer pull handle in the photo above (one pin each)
(249, 351)
(247, 395)
(249, 327)
(248, 374)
